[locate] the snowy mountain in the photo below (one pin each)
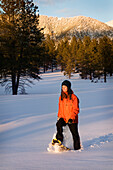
(28, 122)
(78, 26)
(110, 23)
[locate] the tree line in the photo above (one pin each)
(24, 50)
(90, 57)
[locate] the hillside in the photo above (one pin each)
(78, 26)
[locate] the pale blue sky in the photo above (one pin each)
(101, 10)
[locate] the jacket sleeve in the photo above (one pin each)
(59, 108)
(75, 104)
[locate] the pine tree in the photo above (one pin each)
(74, 48)
(83, 55)
(49, 53)
(20, 43)
(45, 60)
(68, 60)
(60, 49)
(105, 55)
(59, 57)
(80, 59)
(94, 64)
(111, 70)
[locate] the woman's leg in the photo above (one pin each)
(60, 125)
(74, 130)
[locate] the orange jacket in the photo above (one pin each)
(69, 109)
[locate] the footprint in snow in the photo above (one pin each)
(96, 142)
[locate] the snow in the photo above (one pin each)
(110, 23)
(27, 125)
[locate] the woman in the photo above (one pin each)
(68, 114)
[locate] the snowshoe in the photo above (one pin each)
(58, 143)
(54, 141)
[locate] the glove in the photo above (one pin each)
(58, 118)
(70, 121)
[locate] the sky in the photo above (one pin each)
(101, 10)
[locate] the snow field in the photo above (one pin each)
(27, 125)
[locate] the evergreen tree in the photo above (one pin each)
(110, 69)
(20, 43)
(46, 59)
(81, 59)
(87, 54)
(105, 55)
(83, 55)
(49, 57)
(60, 49)
(74, 48)
(94, 59)
(59, 56)
(51, 51)
(68, 61)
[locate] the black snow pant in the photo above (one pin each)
(74, 131)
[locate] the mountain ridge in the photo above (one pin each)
(78, 26)
(110, 23)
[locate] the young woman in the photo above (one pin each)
(68, 114)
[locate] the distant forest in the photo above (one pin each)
(24, 50)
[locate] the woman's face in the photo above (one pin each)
(64, 88)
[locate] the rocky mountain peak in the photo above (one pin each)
(78, 26)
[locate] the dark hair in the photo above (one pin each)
(64, 95)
